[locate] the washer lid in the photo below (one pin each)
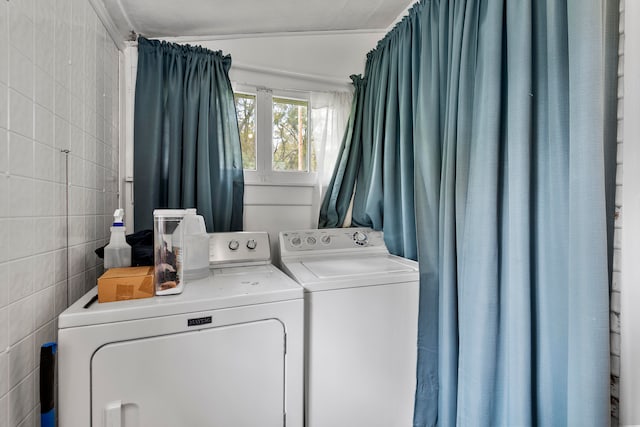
(338, 272)
(224, 288)
(348, 267)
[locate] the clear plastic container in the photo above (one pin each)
(168, 254)
(195, 247)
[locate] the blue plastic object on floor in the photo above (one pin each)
(47, 384)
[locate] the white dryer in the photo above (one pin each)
(361, 315)
(228, 351)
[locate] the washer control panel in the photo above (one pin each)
(330, 239)
(240, 246)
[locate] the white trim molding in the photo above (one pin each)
(116, 34)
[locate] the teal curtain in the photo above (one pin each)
(384, 195)
(186, 142)
(335, 204)
(489, 126)
(377, 151)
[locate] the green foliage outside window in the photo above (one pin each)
(290, 136)
(246, 111)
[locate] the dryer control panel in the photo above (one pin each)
(239, 247)
(331, 239)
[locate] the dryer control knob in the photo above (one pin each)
(234, 245)
(326, 239)
(311, 240)
(251, 244)
(360, 238)
(296, 241)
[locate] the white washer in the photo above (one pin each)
(361, 315)
(228, 351)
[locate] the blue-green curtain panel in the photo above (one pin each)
(384, 194)
(335, 204)
(493, 122)
(186, 141)
(375, 164)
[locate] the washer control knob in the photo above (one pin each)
(296, 241)
(360, 238)
(234, 245)
(326, 239)
(251, 244)
(311, 240)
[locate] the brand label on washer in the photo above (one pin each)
(199, 321)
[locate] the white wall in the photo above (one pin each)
(58, 90)
(308, 62)
(630, 277)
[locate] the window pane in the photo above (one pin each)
(246, 110)
(290, 140)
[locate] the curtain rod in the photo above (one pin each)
(344, 85)
(335, 82)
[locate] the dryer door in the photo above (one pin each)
(224, 376)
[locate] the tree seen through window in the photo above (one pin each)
(290, 136)
(246, 111)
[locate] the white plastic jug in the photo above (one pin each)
(195, 246)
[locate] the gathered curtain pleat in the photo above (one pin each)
(329, 117)
(487, 150)
(186, 142)
(335, 204)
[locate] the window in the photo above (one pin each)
(274, 132)
(290, 139)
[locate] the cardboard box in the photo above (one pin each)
(121, 284)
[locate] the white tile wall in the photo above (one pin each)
(58, 90)
(617, 243)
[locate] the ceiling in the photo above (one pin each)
(201, 18)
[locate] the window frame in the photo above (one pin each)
(264, 173)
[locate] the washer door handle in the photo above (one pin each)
(113, 414)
